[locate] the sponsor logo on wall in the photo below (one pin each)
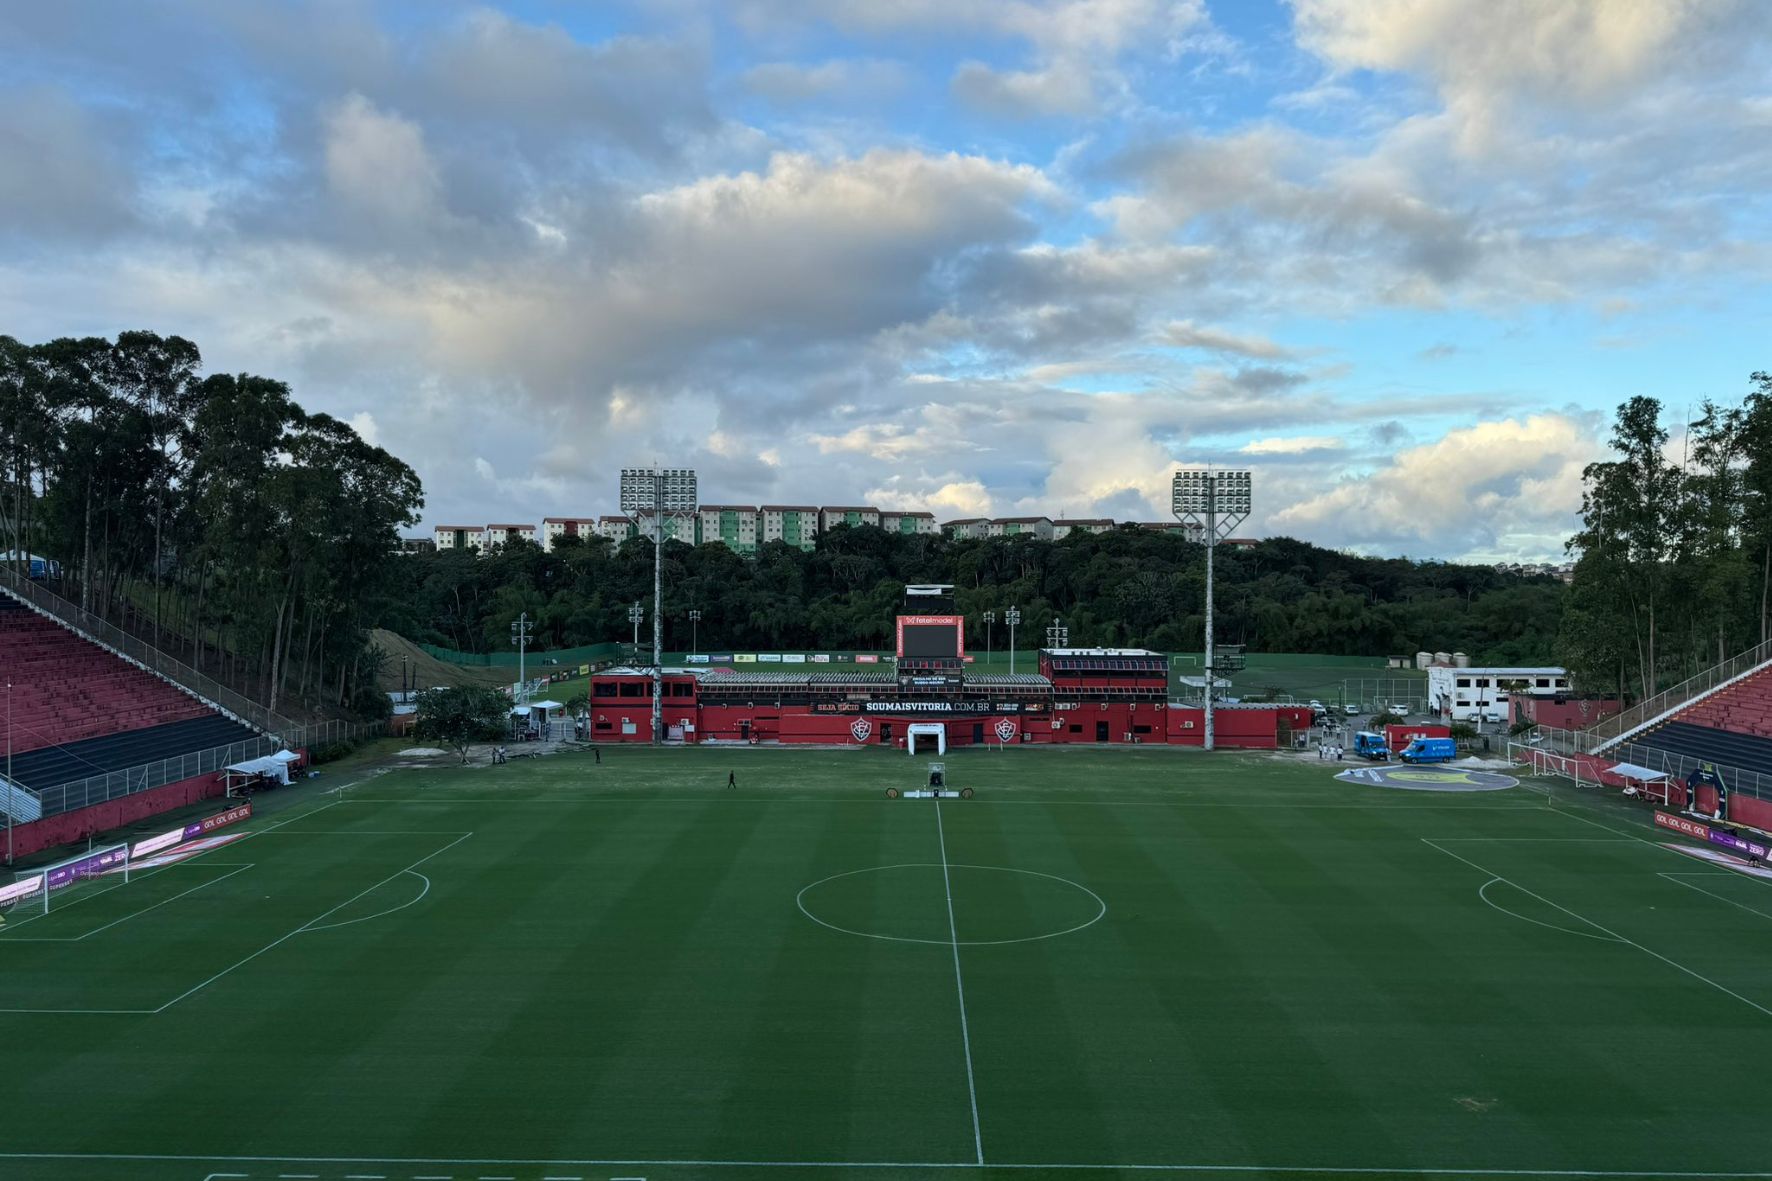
(696, 659)
(744, 658)
(821, 658)
(769, 658)
(867, 658)
(794, 658)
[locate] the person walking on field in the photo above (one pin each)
(731, 780)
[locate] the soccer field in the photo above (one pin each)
(1109, 964)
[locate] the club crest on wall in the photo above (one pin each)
(1005, 730)
(861, 728)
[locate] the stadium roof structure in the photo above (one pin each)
(1099, 652)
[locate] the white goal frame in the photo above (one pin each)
(32, 889)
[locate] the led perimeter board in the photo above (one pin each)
(931, 637)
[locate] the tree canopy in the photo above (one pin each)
(211, 515)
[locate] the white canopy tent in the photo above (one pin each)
(274, 767)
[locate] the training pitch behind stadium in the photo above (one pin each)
(1110, 963)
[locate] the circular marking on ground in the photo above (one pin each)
(1429, 778)
(908, 903)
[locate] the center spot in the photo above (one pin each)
(991, 904)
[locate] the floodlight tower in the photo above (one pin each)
(658, 493)
(1058, 635)
(636, 614)
(521, 633)
(990, 626)
(1012, 617)
(1215, 502)
(695, 631)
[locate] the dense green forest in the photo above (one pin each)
(210, 515)
(1128, 587)
(1675, 553)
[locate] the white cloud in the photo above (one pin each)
(1292, 445)
(1471, 490)
(841, 80)
(378, 163)
(1186, 334)
(366, 427)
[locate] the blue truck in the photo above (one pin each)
(1430, 750)
(1369, 745)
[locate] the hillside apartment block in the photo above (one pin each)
(743, 527)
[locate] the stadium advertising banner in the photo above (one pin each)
(696, 659)
(821, 658)
(87, 867)
(195, 829)
(944, 709)
(793, 658)
(931, 637)
(1705, 832)
(22, 888)
(867, 658)
(769, 658)
(744, 658)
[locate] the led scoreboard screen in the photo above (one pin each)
(931, 637)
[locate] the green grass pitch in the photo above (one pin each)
(1109, 964)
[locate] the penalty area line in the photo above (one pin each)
(311, 922)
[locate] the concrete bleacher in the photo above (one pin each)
(66, 690)
(48, 766)
(1732, 726)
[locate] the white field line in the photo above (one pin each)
(1284, 1170)
(959, 984)
(1596, 926)
(144, 910)
(879, 800)
(1680, 879)
(1483, 893)
(382, 913)
(305, 926)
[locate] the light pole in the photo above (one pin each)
(1058, 635)
(1216, 502)
(661, 492)
(635, 614)
(520, 637)
(695, 631)
(990, 621)
(1012, 617)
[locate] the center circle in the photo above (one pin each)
(991, 904)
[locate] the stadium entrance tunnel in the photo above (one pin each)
(992, 905)
(1429, 778)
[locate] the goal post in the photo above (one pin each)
(31, 890)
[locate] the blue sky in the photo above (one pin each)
(1402, 257)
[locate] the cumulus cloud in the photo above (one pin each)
(1185, 334)
(1292, 445)
(1466, 492)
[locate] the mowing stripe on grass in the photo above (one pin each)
(1596, 926)
(959, 984)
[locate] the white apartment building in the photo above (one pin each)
(1040, 527)
(616, 528)
(500, 534)
(829, 517)
(733, 525)
(967, 528)
(459, 537)
(554, 528)
(909, 522)
(1478, 694)
(796, 524)
(1063, 527)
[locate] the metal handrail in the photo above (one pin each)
(73, 794)
(109, 635)
(1610, 729)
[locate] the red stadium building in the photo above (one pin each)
(1079, 695)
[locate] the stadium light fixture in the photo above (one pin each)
(1216, 502)
(990, 626)
(658, 493)
(1012, 617)
(635, 614)
(1058, 635)
(695, 632)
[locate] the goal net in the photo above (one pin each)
(31, 890)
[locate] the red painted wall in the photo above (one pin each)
(1398, 737)
(1568, 714)
(1248, 729)
(1749, 810)
(84, 822)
